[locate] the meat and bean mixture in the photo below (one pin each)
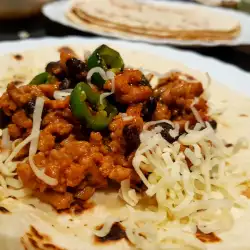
(86, 144)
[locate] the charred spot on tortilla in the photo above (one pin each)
(246, 193)
(207, 238)
(4, 210)
(50, 246)
(228, 145)
(117, 232)
(33, 243)
(13, 197)
(36, 234)
(22, 240)
(18, 57)
(243, 115)
(213, 124)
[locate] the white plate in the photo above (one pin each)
(227, 74)
(56, 12)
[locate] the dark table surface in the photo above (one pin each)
(40, 26)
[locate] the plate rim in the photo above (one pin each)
(64, 5)
(238, 79)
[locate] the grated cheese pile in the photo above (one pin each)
(192, 182)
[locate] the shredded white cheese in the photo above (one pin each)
(61, 94)
(37, 119)
(183, 190)
(96, 70)
(7, 167)
(110, 76)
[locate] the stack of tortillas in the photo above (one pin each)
(131, 18)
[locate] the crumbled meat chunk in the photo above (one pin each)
(21, 120)
(46, 141)
(58, 200)
(128, 88)
(7, 104)
(14, 131)
(59, 128)
(176, 94)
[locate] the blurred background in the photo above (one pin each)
(22, 19)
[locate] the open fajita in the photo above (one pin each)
(108, 148)
(150, 20)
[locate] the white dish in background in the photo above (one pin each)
(227, 74)
(56, 12)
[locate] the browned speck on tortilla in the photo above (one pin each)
(38, 235)
(117, 232)
(3, 210)
(18, 57)
(23, 243)
(38, 241)
(207, 238)
(243, 115)
(247, 193)
(33, 243)
(228, 145)
(49, 246)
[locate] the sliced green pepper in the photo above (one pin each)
(85, 106)
(42, 78)
(107, 59)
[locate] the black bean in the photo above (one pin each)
(81, 133)
(77, 69)
(166, 127)
(144, 81)
(65, 84)
(131, 135)
(4, 119)
(213, 124)
(54, 68)
(29, 107)
(148, 109)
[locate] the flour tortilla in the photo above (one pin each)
(67, 232)
(154, 22)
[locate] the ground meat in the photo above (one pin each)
(57, 200)
(120, 173)
(85, 163)
(128, 89)
(27, 176)
(7, 104)
(18, 95)
(14, 131)
(21, 120)
(46, 141)
(57, 104)
(162, 112)
(59, 127)
(85, 193)
(118, 143)
(176, 94)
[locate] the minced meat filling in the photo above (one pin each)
(83, 160)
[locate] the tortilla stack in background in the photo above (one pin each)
(149, 20)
